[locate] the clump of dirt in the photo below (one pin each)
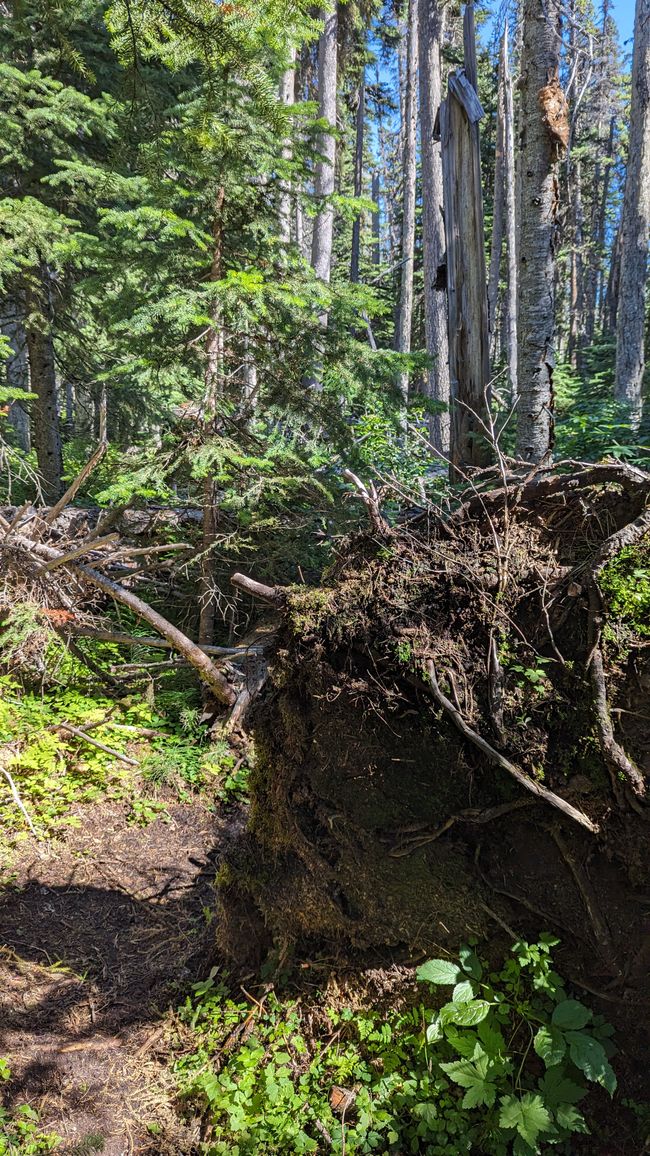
(101, 933)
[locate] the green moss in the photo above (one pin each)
(625, 582)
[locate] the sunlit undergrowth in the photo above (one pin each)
(54, 769)
(499, 1069)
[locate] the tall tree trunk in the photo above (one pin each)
(498, 212)
(321, 251)
(430, 19)
(510, 213)
(544, 136)
(17, 370)
(287, 98)
(213, 386)
(405, 313)
(610, 306)
(376, 221)
(635, 224)
(46, 430)
(355, 256)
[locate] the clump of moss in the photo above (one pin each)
(625, 582)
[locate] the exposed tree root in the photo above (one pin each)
(500, 760)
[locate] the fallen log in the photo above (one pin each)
(201, 662)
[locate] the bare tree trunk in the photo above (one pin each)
(635, 224)
(213, 385)
(544, 136)
(431, 22)
(510, 212)
(358, 174)
(46, 430)
(610, 306)
(376, 226)
(405, 313)
(17, 370)
(498, 212)
(287, 98)
(321, 252)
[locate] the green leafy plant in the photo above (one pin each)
(498, 1071)
(20, 1131)
(498, 1025)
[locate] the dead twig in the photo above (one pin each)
(18, 801)
(273, 594)
(95, 743)
(370, 499)
(76, 485)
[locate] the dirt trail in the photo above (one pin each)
(124, 911)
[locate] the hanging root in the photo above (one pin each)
(500, 760)
(615, 757)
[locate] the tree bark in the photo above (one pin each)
(376, 222)
(431, 21)
(635, 225)
(46, 431)
(405, 312)
(321, 251)
(510, 212)
(498, 211)
(17, 371)
(544, 136)
(287, 98)
(355, 256)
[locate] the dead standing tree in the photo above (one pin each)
(469, 353)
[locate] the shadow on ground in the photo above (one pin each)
(101, 935)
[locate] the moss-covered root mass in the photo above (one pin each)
(375, 822)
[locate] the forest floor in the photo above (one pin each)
(102, 931)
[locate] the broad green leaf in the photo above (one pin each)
(556, 1088)
(467, 1014)
(550, 1045)
(470, 962)
(482, 1093)
(570, 1015)
(567, 1116)
(491, 1038)
(426, 1111)
(434, 1031)
(462, 1042)
(439, 971)
(589, 1055)
(463, 992)
(528, 1115)
(462, 1072)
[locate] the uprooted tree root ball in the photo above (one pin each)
(454, 736)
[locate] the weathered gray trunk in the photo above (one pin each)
(635, 224)
(17, 370)
(355, 255)
(510, 223)
(544, 135)
(498, 211)
(321, 251)
(46, 430)
(409, 125)
(430, 17)
(376, 225)
(469, 353)
(287, 98)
